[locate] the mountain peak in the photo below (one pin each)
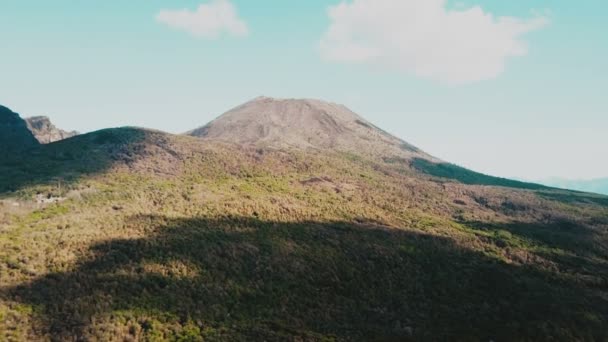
(268, 99)
(264, 98)
(304, 123)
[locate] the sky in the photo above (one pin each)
(509, 88)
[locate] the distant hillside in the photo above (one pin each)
(465, 176)
(14, 134)
(599, 186)
(44, 130)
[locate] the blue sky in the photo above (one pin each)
(96, 64)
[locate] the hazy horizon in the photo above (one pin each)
(529, 105)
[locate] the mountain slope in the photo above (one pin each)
(109, 150)
(466, 176)
(44, 130)
(314, 124)
(156, 236)
(14, 134)
(304, 123)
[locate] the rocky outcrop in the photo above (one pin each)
(44, 130)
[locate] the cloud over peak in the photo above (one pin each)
(209, 20)
(425, 38)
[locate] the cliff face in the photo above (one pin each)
(14, 133)
(44, 130)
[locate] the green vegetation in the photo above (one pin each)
(466, 176)
(165, 238)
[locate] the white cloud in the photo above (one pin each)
(425, 38)
(209, 21)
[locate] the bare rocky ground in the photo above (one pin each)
(44, 130)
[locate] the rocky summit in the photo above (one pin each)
(304, 123)
(44, 130)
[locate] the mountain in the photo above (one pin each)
(135, 234)
(14, 134)
(310, 124)
(45, 132)
(304, 123)
(599, 186)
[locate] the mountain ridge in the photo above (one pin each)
(356, 136)
(276, 132)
